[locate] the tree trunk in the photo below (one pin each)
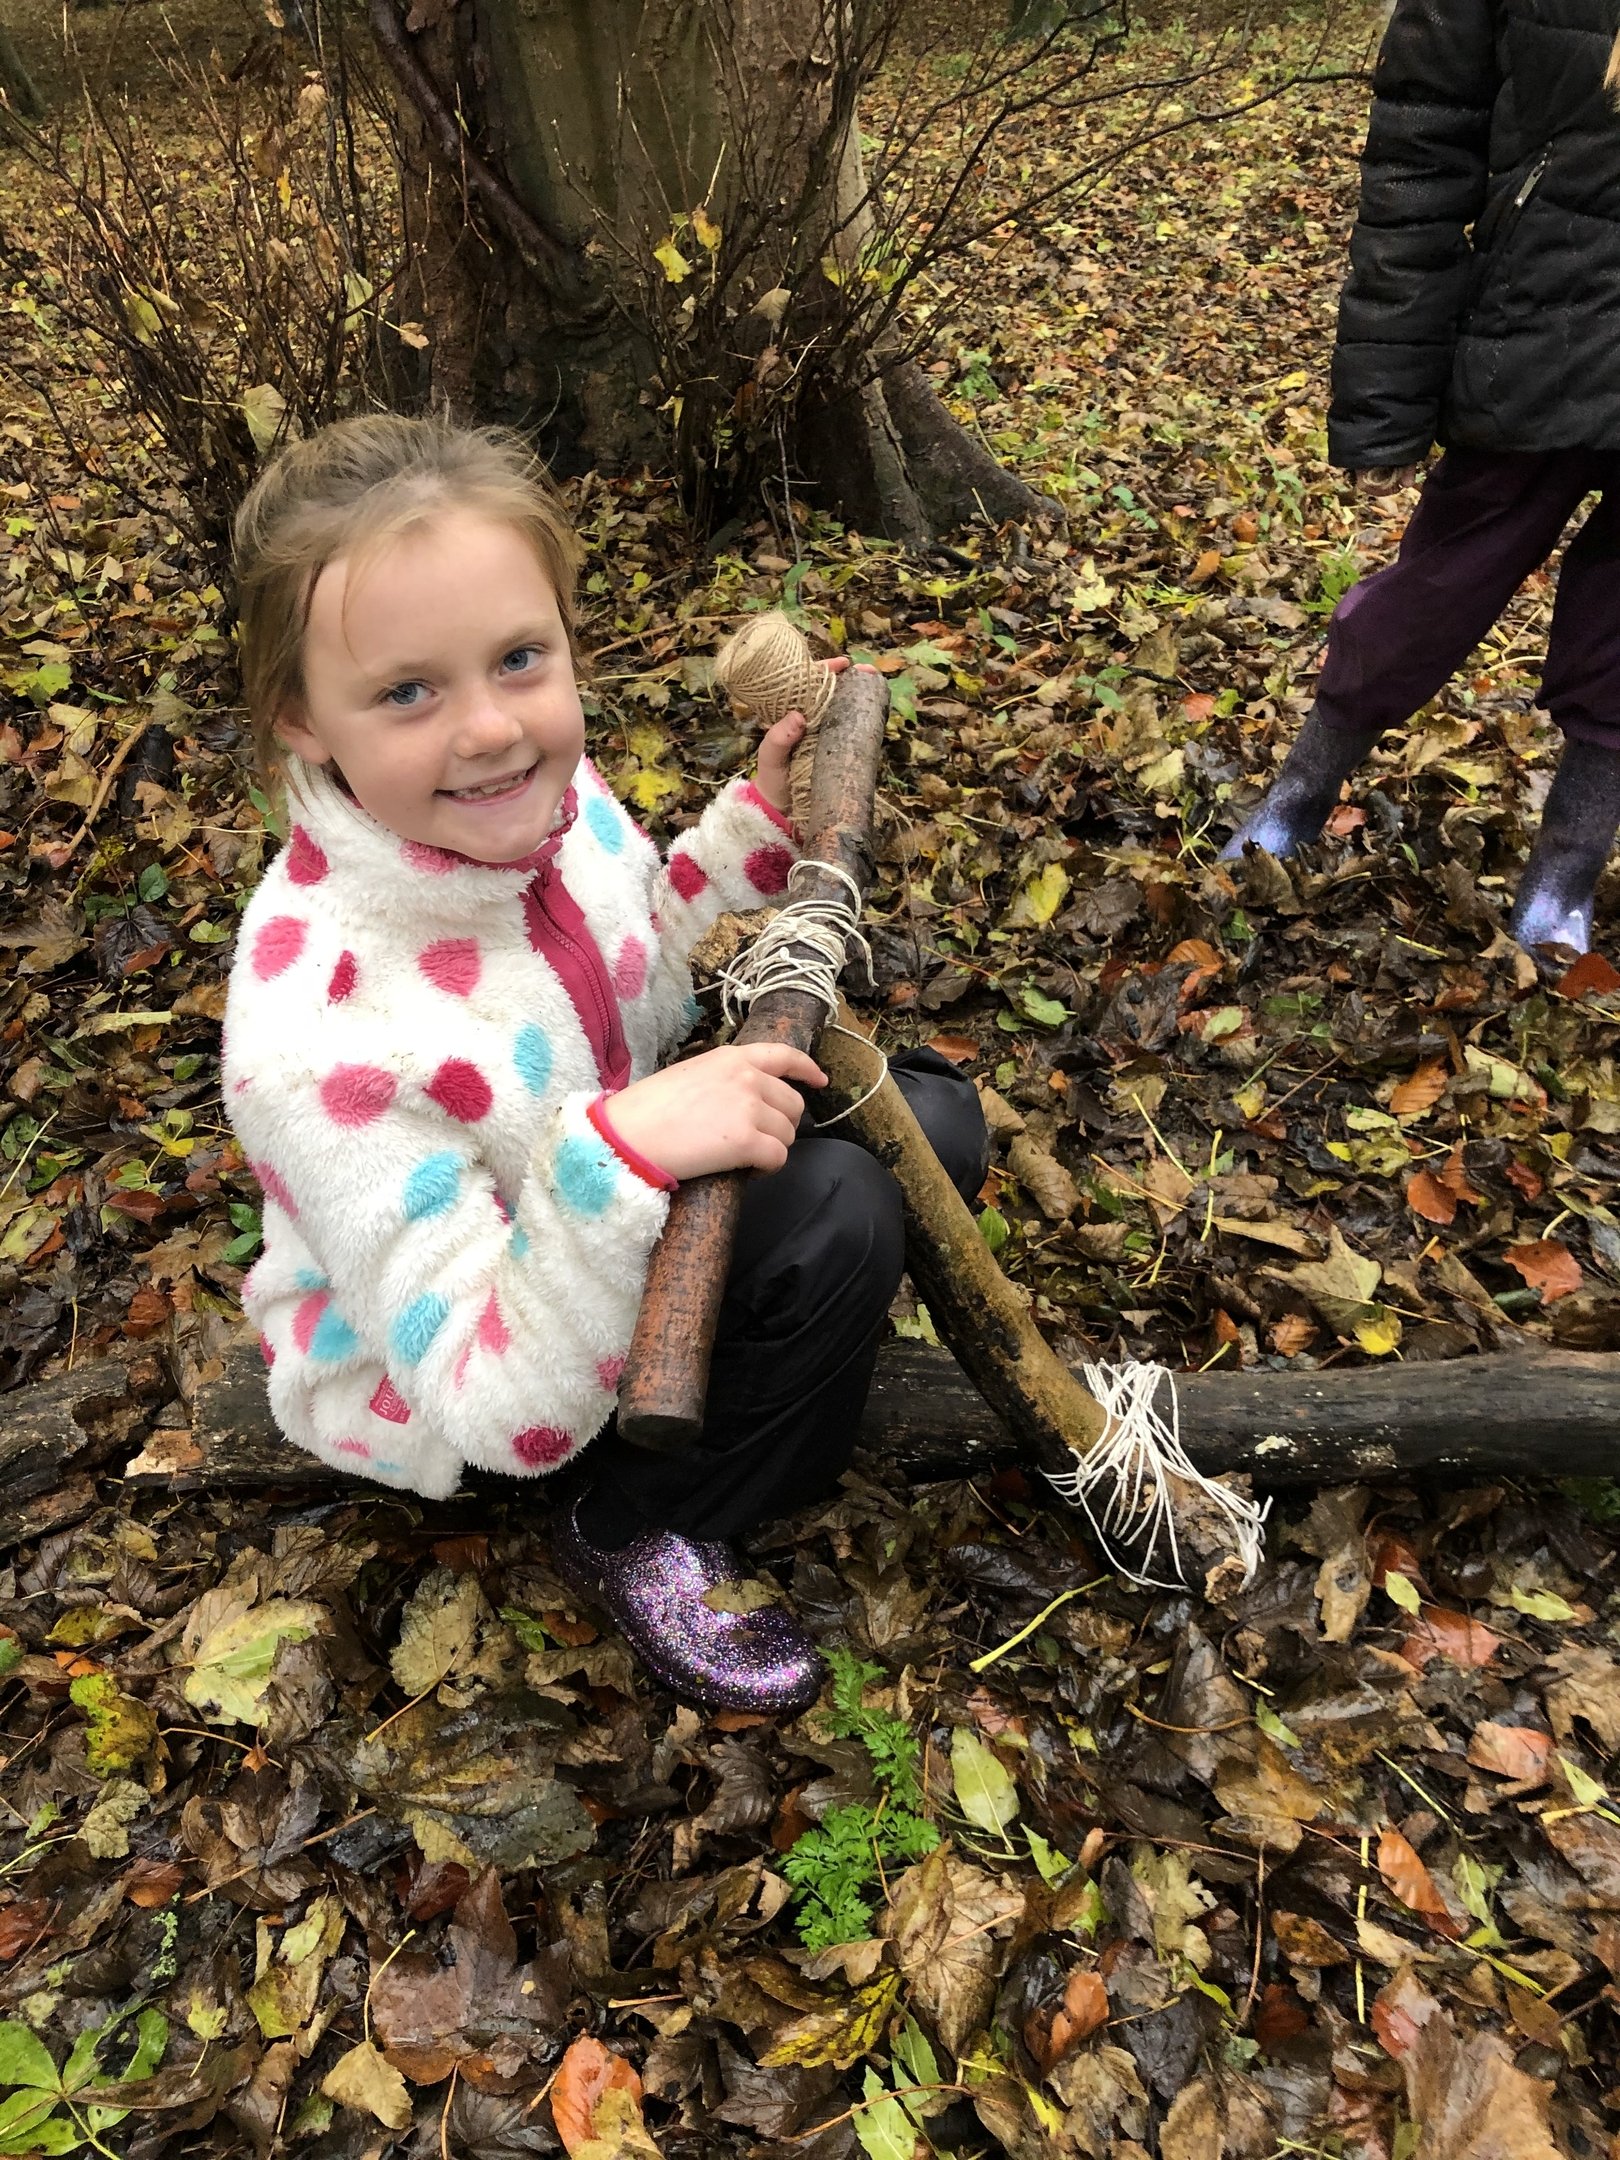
(644, 222)
(16, 84)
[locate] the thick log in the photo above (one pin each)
(666, 1376)
(1553, 1415)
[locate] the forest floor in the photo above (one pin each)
(329, 1824)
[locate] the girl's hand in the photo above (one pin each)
(729, 1109)
(777, 745)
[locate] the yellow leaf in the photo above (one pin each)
(707, 230)
(1379, 1332)
(265, 411)
(674, 264)
(362, 2080)
(652, 785)
(1403, 1590)
(1040, 899)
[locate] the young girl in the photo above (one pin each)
(449, 1003)
(1480, 311)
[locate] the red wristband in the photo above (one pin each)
(632, 1158)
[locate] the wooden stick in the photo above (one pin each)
(981, 1316)
(666, 1376)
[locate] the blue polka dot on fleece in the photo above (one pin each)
(603, 819)
(333, 1338)
(309, 1278)
(531, 1054)
(414, 1330)
(586, 1174)
(432, 1186)
(519, 1242)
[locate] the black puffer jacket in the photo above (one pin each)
(1483, 301)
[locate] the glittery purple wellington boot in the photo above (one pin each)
(653, 1591)
(1299, 802)
(1553, 905)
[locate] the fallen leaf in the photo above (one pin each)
(1437, 1632)
(1408, 1879)
(1044, 1178)
(1547, 1266)
(587, 2071)
(1512, 1751)
(1426, 1196)
(1417, 1094)
(1470, 2097)
(1591, 974)
(984, 1788)
(365, 2081)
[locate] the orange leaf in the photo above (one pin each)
(1591, 973)
(1083, 2009)
(1291, 1334)
(1205, 567)
(151, 1883)
(1455, 1178)
(1547, 1266)
(1281, 2015)
(1200, 706)
(1426, 1196)
(1512, 1751)
(1411, 1882)
(1439, 1633)
(1525, 1180)
(958, 1048)
(1390, 1551)
(1420, 1090)
(588, 2071)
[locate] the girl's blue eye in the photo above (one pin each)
(403, 695)
(526, 657)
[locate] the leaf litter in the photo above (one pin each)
(337, 1828)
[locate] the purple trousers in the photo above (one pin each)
(1484, 521)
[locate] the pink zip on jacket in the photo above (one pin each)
(419, 1059)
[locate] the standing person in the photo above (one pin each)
(1482, 310)
(451, 997)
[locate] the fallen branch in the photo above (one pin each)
(1555, 1414)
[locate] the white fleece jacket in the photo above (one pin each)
(455, 1240)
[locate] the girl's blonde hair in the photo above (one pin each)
(348, 491)
(1611, 74)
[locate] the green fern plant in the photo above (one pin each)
(835, 1866)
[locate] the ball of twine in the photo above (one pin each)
(767, 669)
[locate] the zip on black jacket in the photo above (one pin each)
(1483, 301)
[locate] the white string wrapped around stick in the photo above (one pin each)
(804, 947)
(1123, 1483)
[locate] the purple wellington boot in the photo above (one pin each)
(1554, 901)
(653, 1591)
(1300, 800)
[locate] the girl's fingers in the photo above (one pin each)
(784, 1062)
(837, 664)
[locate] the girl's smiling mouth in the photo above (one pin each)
(493, 791)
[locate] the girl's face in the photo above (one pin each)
(440, 683)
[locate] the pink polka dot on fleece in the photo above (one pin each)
(630, 968)
(461, 1091)
(267, 1350)
(421, 856)
(306, 864)
(278, 945)
(356, 1094)
(343, 978)
(492, 1332)
(388, 1404)
(458, 1372)
(609, 1372)
(768, 868)
(452, 964)
(274, 1187)
(542, 1445)
(307, 1318)
(687, 875)
(354, 1447)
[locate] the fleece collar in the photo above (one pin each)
(330, 832)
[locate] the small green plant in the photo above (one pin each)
(834, 1866)
(1337, 573)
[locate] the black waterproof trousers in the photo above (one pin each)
(819, 1255)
